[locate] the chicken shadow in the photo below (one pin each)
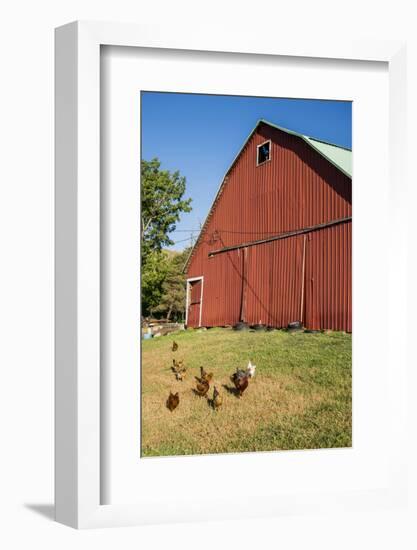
(231, 390)
(195, 392)
(210, 403)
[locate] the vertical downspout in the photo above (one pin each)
(243, 292)
(303, 280)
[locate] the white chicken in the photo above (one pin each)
(250, 370)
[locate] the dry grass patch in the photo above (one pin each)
(300, 397)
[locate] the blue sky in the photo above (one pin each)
(200, 135)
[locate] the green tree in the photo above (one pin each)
(172, 299)
(162, 204)
(154, 272)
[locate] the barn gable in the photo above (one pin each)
(337, 156)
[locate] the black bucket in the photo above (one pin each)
(241, 326)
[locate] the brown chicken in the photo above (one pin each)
(202, 388)
(174, 346)
(217, 399)
(241, 382)
(177, 365)
(205, 376)
(172, 401)
(179, 369)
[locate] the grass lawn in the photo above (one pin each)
(300, 397)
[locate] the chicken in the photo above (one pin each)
(177, 365)
(250, 370)
(179, 369)
(209, 377)
(174, 346)
(217, 399)
(205, 376)
(241, 381)
(202, 388)
(181, 373)
(172, 401)
(240, 372)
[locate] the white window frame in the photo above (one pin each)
(257, 152)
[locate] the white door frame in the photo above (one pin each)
(187, 295)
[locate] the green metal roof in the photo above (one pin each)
(340, 156)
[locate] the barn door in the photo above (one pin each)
(194, 299)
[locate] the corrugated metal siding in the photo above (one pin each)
(328, 279)
(296, 189)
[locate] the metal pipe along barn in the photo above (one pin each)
(276, 246)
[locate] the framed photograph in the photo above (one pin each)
(266, 279)
(228, 212)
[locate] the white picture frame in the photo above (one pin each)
(78, 405)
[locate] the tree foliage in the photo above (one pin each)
(162, 204)
(172, 300)
(154, 272)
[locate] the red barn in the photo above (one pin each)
(276, 245)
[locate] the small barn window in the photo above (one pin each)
(263, 153)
